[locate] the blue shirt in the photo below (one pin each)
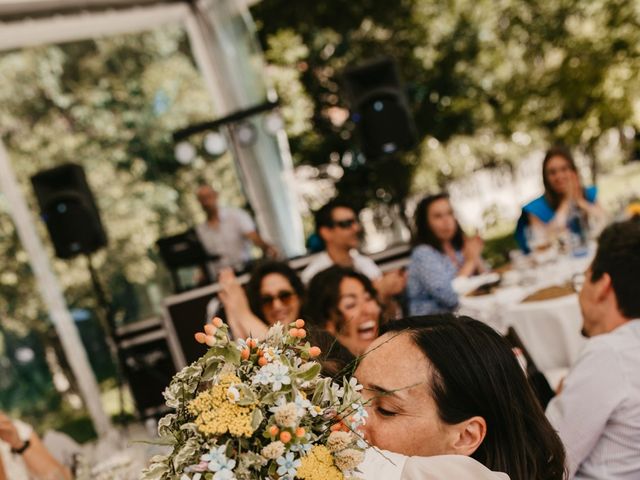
(429, 288)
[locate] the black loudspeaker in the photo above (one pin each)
(69, 210)
(149, 368)
(379, 108)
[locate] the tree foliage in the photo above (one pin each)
(484, 74)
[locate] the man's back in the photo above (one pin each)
(597, 415)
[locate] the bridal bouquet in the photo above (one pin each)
(259, 410)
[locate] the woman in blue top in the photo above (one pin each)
(562, 190)
(441, 253)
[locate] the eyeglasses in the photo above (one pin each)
(348, 223)
(577, 281)
(285, 297)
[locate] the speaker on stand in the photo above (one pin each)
(379, 108)
(70, 213)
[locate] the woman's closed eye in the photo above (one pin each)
(385, 413)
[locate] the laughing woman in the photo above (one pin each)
(343, 303)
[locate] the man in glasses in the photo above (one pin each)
(338, 226)
(597, 413)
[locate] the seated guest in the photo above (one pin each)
(338, 227)
(23, 456)
(227, 232)
(274, 294)
(550, 212)
(450, 386)
(440, 254)
(343, 302)
(597, 412)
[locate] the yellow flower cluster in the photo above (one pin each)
(318, 465)
(216, 414)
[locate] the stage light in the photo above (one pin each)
(185, 153)
(215, 143)
(246, 134)
(273, 123)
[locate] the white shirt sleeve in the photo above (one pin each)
(244, 220)
(366, 266)
(593, 389)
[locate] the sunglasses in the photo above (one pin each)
(348, 223)
(285, 297)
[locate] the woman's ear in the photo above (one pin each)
(470, 435)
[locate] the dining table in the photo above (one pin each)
(537, 301)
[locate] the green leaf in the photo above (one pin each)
(256, 418)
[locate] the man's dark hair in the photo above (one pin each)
(324, 215)
(476, 373)
(619, 256)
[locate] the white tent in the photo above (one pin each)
(227, 62)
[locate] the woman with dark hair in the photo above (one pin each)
(274, 294)
(343, 302)
(446, 385)
(562, 192)
(440, 254)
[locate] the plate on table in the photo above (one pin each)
(466, 285)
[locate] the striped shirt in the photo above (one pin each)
(597, 415)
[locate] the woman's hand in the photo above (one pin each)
(472, 249)
(231, 293)
(9, 433)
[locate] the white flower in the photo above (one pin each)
(224, 474)
(196, 476)
(359, 415)
(273, 450)
(288, 465)
(303, 448)
(263, 376)
(217, 460)
(233, 395)
(287, 415)
(304, 405)
(275, 374)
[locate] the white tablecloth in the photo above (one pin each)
(549, 329)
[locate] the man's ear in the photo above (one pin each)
(470, 435)
(603, 286)
(324, 232)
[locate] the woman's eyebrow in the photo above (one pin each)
(384, 392)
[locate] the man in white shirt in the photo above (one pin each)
(597, 413)
(227, 232)
(337, 224)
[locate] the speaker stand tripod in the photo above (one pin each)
(109, 326)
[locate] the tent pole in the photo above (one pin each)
(52, 295)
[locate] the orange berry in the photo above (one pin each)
(285, 437)
(293, 332)
(273, 430)
(262, 361)
(210, 329)
(302, 333)
(260, 352)
(300, 432)
(299, 323)
(252, 343)
(336, 427)
(244, 354)
(314, 351)
(200, 337)
(210, 341)
(217, 321)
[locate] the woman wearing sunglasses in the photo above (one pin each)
(273, 294)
